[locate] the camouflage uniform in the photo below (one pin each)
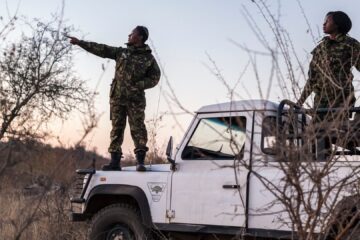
(136, 70)
(330, 76)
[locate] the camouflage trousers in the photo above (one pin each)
(135, 112)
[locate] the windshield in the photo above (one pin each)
(217, 138)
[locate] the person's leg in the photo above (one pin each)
(136, 113)
(118, 121)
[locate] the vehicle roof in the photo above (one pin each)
(243, 105)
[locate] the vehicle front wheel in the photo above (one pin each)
(117, 222)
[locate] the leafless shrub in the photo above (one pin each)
(316, 188)
(37, 85)
(37, 82)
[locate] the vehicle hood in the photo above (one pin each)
(150, 168)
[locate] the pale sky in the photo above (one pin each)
(184, 33)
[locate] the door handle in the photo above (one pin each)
(231, 186)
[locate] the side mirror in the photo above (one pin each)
(169, 150)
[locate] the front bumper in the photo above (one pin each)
(77, 203)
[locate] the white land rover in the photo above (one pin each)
(211, 185)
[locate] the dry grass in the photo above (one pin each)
(35, 191)
(34, 199)
(40, 217)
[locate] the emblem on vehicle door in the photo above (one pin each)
(156, 189)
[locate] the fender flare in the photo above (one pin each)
(122, 190)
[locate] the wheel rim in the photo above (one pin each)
(119, 232)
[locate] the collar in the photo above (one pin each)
(144, 48)
(338, 38)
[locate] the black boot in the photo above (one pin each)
(140, 158)
(114, 164)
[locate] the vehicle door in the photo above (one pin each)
(210, 185)
(264, 210)
(267, 209)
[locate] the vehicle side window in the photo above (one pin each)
(268, 137)
(217, 138)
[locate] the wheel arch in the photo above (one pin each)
(105, 195)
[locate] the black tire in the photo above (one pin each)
(117, 222)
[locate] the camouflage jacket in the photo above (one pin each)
(330, 76)
(136, 69)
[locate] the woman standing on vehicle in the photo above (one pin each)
(330, 76)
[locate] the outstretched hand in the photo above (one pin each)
(73, 40)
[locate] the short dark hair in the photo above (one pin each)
(341, 20)
(143, 31)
